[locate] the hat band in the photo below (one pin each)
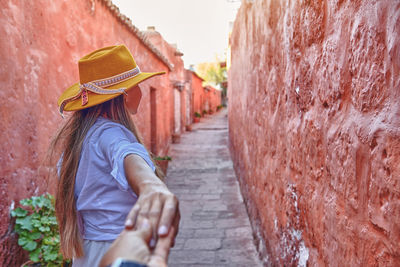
(98, 87)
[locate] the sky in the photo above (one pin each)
(200, 28)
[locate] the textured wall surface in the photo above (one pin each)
(314, 114)
(213, 97)
(177, 76)
(197, 91)
(40, 44)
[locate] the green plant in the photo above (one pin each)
(163, 158)
(214, 73)
(37, 230)
(197, 115)
(204, 112)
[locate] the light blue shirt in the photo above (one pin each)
(103, 195)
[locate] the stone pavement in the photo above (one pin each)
(215, 228)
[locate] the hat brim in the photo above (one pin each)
(95, 99)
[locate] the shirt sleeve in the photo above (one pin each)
(117, 143)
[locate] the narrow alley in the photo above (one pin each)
(302, 168)
(215, 228)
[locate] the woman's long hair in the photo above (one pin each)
(69, 141)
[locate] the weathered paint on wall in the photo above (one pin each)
(213, 98)
(197, 91)
(177, 77)
(314, 118)
(188, 101)
(41, 42)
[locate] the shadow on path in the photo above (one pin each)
(215, 228)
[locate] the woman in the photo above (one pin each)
(104, 169)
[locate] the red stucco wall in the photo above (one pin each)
(213, 97)
(184, 118)
(197, 91)
(177, 76)
(319, 163)
(41, 42)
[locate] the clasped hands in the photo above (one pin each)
(159, 206)
(150, 227)
(133, 245)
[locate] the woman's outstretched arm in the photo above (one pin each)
(155, 201)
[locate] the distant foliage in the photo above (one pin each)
(162, 158)
(213, 74)
(37, 230)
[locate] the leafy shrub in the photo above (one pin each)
(197, 115)
(204, 112)
(37, 230)
(163, 158)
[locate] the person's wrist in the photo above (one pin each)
(148, 187)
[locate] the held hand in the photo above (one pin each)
(159, 256)
(130, 245)
(155, 201)
(133, 245)
(157, 204)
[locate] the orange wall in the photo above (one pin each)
(41, 42)
(213, 98)
(198, 96)
(314, 124)
(177, 76)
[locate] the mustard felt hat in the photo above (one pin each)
(103, 75)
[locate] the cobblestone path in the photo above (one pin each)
(215, 228)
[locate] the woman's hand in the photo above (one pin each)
(155, 202)
(159, 206)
